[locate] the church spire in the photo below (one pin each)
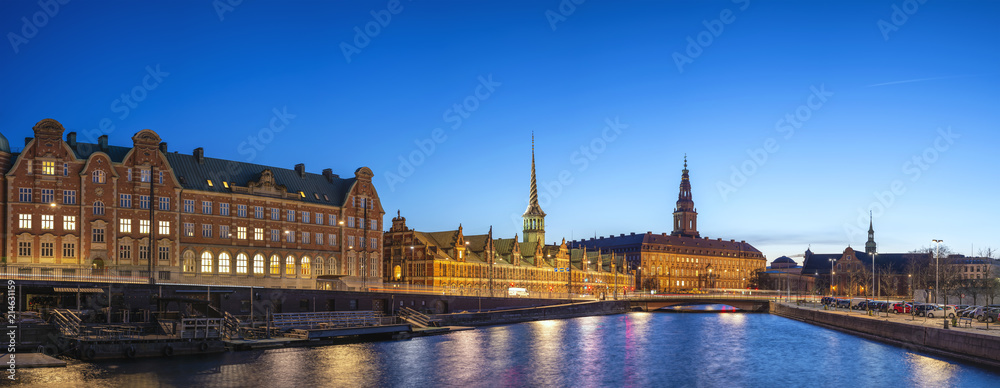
(685, 215)
(534, 217)
(870, 245)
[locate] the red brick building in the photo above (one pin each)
(78, 209)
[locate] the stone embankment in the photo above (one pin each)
(971, 345)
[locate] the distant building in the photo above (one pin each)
(483, 265)
(969, 268)
(852, 270)
(683, 260)
(786, 275)
(78, 209)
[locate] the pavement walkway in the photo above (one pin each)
(976, 327)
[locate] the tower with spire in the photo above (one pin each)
(685, 214)
(534, 217)
(870, 245)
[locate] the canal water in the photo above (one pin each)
(631, 350)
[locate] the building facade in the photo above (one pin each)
(682, 261)
(483, 265)
(78, 209)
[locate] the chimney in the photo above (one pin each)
(163, 147)
(328, 173)
(199, 155)
(301, 169)
(71, 139)
(102, 143)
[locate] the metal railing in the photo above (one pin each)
(330, 319)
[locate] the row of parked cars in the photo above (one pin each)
(990, 313)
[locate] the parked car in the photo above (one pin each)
(987, 314)
(843, 303)
(856, 303)
(920, 309)
(901, 307)
(964, 313)
(940, 311)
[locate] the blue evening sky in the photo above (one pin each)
(798, 117)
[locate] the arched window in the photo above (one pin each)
(290, 266)
(224, 263)
(258, 264)
(319, 266)
(206, 262)
(98, 208)
(334, 269)
(275, 265)
(305, 266)
(100, 176)
(188, 262)
(241, 263)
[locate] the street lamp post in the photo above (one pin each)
(831, 276)
(937, 271)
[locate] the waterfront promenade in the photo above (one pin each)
(976, 343)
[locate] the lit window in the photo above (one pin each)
(206, 262)
(210, 183)
(258, 234)
(241, 263)
(224, 262)
(189, 229)
(302, 194)
(48, 168)
(290, 266)
(69, 222)
(164, 228)
(125, 225)
(241, 232)
(99, 176)
(275, 265)
(225, 184)
(144, 226)
(258, 264)
(305, 266)
(24, 221)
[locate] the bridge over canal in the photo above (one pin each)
(750, 303)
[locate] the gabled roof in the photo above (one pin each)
(194, 176)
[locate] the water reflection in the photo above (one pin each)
(639, 349)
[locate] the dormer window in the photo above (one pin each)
(210, 183)
(225, 184)
(302, 194)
